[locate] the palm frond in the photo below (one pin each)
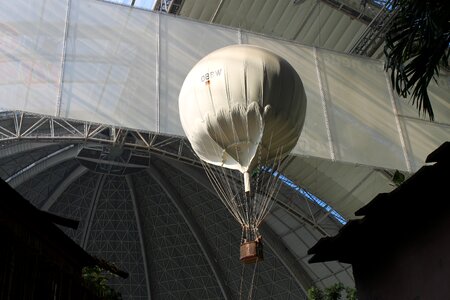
(416, 44)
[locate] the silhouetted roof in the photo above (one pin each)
(17, 212)
(392, 217)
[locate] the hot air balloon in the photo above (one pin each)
(242, 108)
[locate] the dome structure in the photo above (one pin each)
(154, 214)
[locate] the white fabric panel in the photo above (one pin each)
(439, 94)
(422, 138)
(361, 115)
(125, 67)
(344, 186)
(364, 190)
(182, 44)
(313, 138)
(110, 68)
(31, 43)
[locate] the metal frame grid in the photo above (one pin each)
(114, 236)
(165, 228)
(20, 126)
(75, 203)
(177, 267)
(224, 233)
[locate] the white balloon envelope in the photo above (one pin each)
(240, 100)
(242, 107)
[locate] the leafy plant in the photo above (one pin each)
(333, 292)
(315, 293)
(417, 43)
(398, 178)
(96, 279)
(351, 293)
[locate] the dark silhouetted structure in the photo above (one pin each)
(37, 260)
(400, 249)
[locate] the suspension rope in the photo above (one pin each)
(252, 283)
(234, 143)
(242, 281)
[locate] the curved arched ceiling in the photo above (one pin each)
(155, 217)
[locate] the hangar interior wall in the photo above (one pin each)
(104, 63)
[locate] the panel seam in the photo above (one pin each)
(157, 77)
(397, 123)
(63, 59)
(324, 106)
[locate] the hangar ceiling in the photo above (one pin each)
(144, 204)
(154, 214)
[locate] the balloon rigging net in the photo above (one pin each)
(249, 208)
(242, 108)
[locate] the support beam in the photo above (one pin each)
(273, 241)
(23, 147)
(50, 130)
(79, 171)
(141, 237)
(194, 227)
(92, 209)
(112, 163)
(43, 164)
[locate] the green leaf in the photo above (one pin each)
(416, 45)
(398, 178)
(315, 294)
(351, 293)
(334, 292)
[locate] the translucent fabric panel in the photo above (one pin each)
(364, 189)
(423, 138)
(344, 186)
(182, 44)
(125, 66)
(439, 95)
(361, 116)
(313, 138)
(421, 135)
(31, 47)
(110, 68)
